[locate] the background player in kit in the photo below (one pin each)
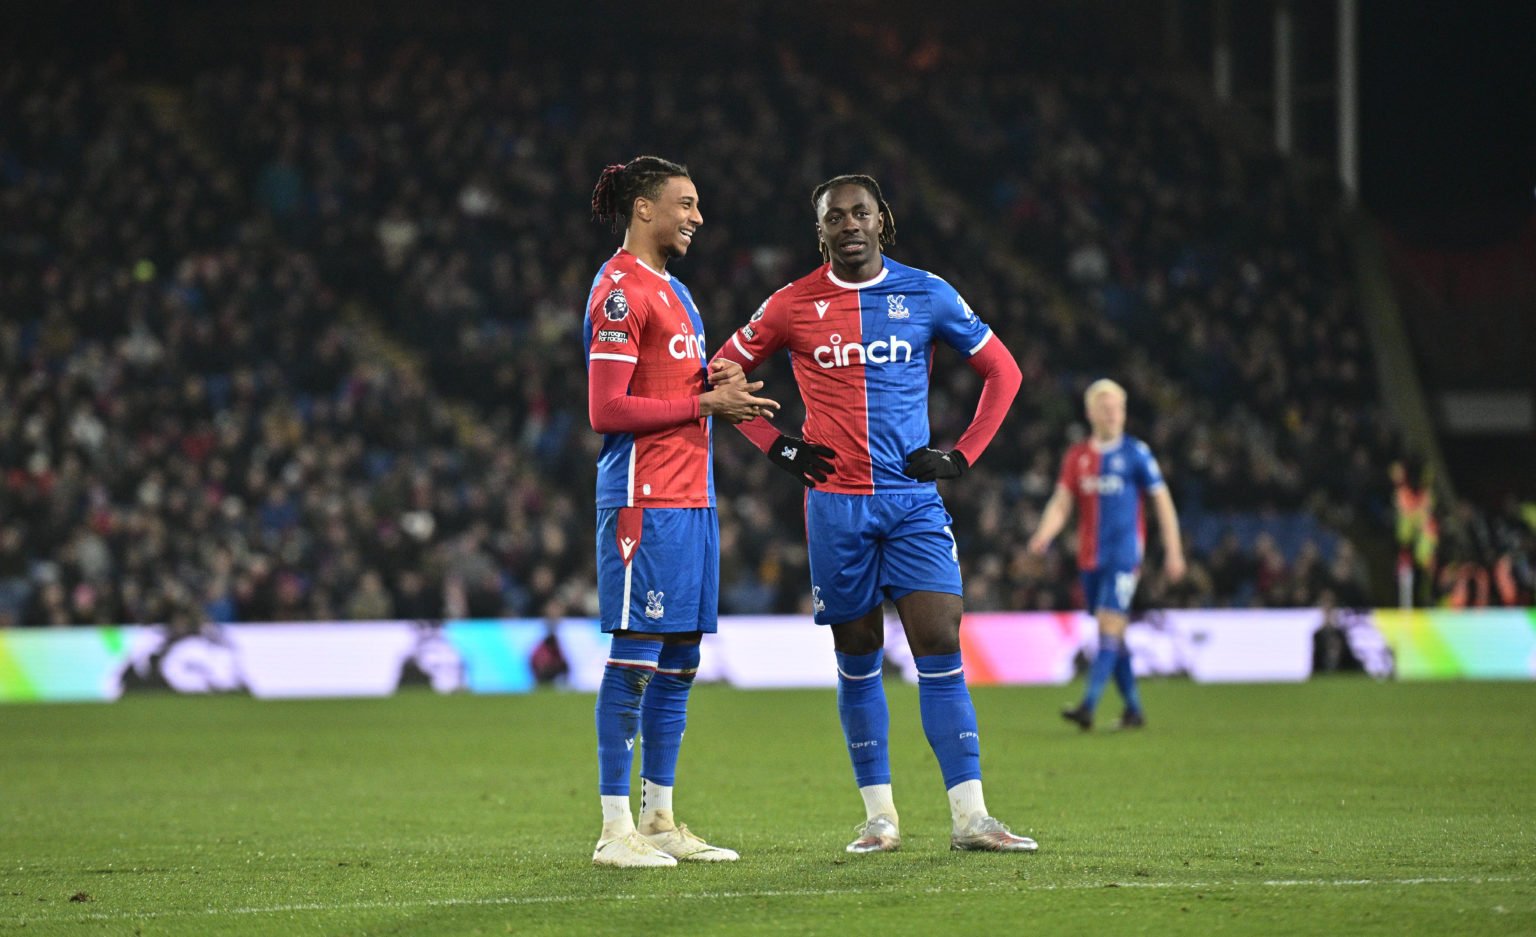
(1107, 475)
(658, 556)
(861, 330)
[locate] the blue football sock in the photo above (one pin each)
(866, 721)
(949, 719)
(664, 712)
(1125, 679)
(631, 664)
(1103, 667)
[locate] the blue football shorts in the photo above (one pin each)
(658, 569)
(1110, 589)
(865, 549)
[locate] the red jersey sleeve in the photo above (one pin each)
(1001, 379)
(754, 343)
(765, 333)
(613, 351)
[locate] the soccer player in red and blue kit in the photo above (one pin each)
(658, 555)
(861, 331)
(1107, 475)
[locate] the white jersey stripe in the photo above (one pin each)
(977, 347)
(737, 342)
(605, 356)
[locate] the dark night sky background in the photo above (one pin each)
(1448, 118)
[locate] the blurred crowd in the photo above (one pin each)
(298, 337)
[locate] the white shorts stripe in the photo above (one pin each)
(629, 569)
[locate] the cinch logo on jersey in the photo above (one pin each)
(880, 351)
(1102, 484)
(686, 345)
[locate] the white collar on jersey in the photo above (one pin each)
(858, 286)
(1110, 446)
(661, 273)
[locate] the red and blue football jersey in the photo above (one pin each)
(638, 315)
(861, 353)
(1108, 486)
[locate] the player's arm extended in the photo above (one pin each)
(1001, 379)
(760, 432)
(612, 409)
(809, 462)
(1052, 519)
(1168, 524)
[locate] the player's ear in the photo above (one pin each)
(642, 208)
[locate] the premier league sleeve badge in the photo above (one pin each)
(616, 306)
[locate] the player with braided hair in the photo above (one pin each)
(861, 330)
(658, 553)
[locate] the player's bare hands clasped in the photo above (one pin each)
(730, 396)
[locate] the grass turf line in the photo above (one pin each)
(1340, 805)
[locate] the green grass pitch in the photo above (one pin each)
(1337, 807)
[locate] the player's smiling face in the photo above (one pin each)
(849, 224)
(675, 216)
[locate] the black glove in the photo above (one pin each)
(805, 460)
(928, 465)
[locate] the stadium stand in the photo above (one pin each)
(297, 331)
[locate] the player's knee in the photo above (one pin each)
(1112, 623)
(860, 636)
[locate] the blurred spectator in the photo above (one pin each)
(306, 346)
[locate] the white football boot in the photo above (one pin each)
(630, 851)
(684, 846)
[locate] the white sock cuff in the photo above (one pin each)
(966, 802)
(654, 797)
(617, 820)
(878, 801)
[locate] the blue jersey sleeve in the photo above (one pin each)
(955, 323)
(1149, 475)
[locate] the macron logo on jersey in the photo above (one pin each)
(880, 351)
(821, 308)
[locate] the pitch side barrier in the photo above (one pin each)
(360, 659)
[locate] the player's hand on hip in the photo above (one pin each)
(928, 465)
(735, 403)
(807, 461)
